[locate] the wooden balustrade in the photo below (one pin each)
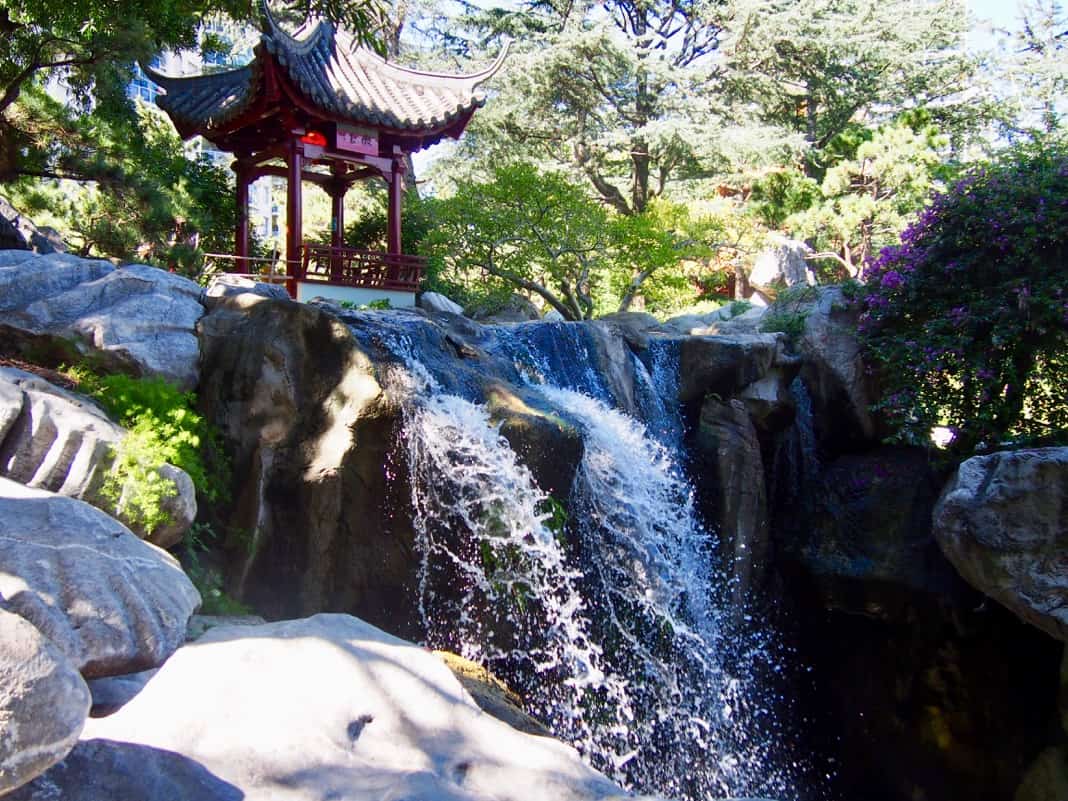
(360, 268)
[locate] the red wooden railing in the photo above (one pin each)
(360, 268)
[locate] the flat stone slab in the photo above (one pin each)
(324, 707)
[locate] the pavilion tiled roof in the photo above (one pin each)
(343, 79)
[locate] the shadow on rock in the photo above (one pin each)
(107, 770)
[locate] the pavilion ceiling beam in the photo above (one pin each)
(322, 179)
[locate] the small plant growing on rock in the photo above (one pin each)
(966, 321)
(789, 312)
(163, 428)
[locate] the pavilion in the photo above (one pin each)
(316, 106)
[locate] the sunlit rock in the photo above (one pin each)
(43, 702)
(1003, 522)
(109, 601)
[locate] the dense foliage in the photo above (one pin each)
(164, 428)
(967, 319)
(537, 232)
(143, 197)
(138, 197)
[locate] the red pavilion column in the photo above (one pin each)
(294, 213)
(241, 226)
(396, 199)
(337, 196)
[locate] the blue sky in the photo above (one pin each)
(1001, 12)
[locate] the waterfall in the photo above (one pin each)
(602, 612)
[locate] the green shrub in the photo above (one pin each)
(789, 312)
(163, 428)
(966, 321)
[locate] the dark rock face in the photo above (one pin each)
(834, 371)
(863, 539)
(730, 463)
(946, 706)
(725, 364)
(17, 232)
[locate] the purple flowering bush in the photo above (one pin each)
(966, 320)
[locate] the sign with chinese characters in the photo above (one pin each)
(357, 140)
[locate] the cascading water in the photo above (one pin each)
(604, 617)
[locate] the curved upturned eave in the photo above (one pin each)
(199, 104)
(309, 59)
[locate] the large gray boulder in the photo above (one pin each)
(18, 231)
(60, 441)
(436, 302)
(726, 365)
(111, 602)
(134, 317)
(324, 707)
(1003, 523)
(225, 285)
(782, 263)
(731, 318)
(43, 702)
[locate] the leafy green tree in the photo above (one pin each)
(1037, 65)
(540, 234)
(866, 201)
(966, 320)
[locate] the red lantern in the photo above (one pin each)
(314, 138)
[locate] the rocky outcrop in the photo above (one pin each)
(781, 264)
(436, 302)
(43, 702)
(1003, 522)
(550, 447)
(226, 285)
(60, 441)
(312, 435)
(136, 318)
(842, 392)
(726, 365)
(733, 318)
(492, 695)
(732, 481)
(517, 309)
(18, 232)
(112, 603)
(354, 715)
